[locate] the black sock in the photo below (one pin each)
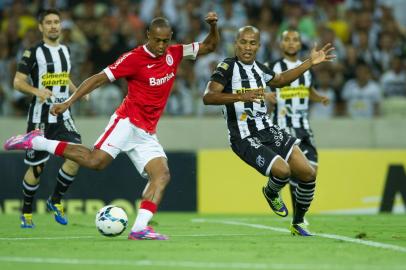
(28, 196)
(274, 186)
(304, 197)
(292, 189)
(63, 182)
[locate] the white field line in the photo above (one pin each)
(95, 236)
(188, 264)
(324, 235)
(45, 238)
(216, 235)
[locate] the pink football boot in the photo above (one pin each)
(147, 234)
(22, 142)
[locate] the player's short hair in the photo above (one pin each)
(290, 29)
(248, 28)
(46, 12)
(159, 22)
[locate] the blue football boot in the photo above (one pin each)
(58, 211)
(26, 221)
(275, 202)
(300, 229)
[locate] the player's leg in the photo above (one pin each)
(64, 179)
(281, 143)
(278, 178)
(36, 160)
(151, 162)
(95, 159)
(92, 159)
(306, 175)
(268, 163)
(30, 187)
(309, 150)
(66, 132)
(159, 177)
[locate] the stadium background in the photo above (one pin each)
(362, 157)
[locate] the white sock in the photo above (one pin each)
(40, 143)
(142, 219)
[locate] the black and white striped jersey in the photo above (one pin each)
(292, 107)
(243, 119)
(47, 67)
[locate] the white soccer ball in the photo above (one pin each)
(111, 220)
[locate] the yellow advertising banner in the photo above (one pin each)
(349, 181)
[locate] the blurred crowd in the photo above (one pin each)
(368, 78)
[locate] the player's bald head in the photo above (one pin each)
(247, 29)
(159, 22)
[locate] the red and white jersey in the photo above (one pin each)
(150, 79)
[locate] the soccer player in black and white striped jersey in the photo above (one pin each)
(43, 72)
(292, 107)
(239, 83)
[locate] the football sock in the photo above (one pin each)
(40, 143)
(64, 180)
(28, 196)
(145, 213)
(275, 185)
(304, 197)
(292, 189)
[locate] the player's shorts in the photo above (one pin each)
(262, 149)
(307, 143)
(61, 131)
(121, 135)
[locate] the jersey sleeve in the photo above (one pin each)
(190, 50)
(27, 62)
(275, 68)
(124, 66)
(269, 74)
(223, 72)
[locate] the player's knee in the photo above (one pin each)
(282, 172)
(164, 178)
(309, 175)
(281, 169)
(161, 180)
(315, 172)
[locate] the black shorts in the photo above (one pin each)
(261, 150)
(307, 143)
(61, 131)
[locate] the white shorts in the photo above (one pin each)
(140, 146)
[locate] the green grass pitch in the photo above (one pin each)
(209, 242)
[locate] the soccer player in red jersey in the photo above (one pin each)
(150, 71)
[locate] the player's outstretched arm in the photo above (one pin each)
(316, 57)
(85, 88)
(73, 89)
(213, 95)
(210, 42)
